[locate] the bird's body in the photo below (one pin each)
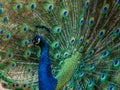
(46, 80)
(78, 44)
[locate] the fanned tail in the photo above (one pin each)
(83, 41)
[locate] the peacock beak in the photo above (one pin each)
(30, 44)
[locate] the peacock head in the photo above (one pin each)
(38, 40)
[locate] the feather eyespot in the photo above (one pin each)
(19, 6)
(50, 7)
(33, 6)
(1, 10)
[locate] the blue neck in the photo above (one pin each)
(46, 80)
(44, 59)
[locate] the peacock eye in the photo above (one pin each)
(36, 41)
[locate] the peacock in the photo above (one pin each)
(60, 44)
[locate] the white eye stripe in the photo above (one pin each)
(38, 41)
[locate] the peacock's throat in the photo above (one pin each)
(46, 80)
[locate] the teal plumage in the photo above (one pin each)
(83, 39)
